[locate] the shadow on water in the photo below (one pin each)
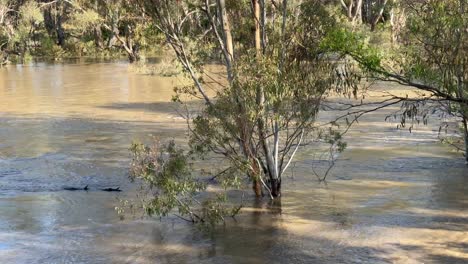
(264, 235)
(432, 257)
(260, 236)
(171, 108)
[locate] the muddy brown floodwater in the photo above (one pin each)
(393, 197)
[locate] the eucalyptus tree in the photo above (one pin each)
(55, 14)
(373, 11)
(255, 123)
(30, 19)
(353, 10)
(6, 28)
(23, 23)
(433, 60)
(370, 12)
(120, 20)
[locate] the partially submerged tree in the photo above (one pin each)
(276, 80)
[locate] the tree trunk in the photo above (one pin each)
(132, 58)
(98, 37)
(60, 12)
(127, 44)
(226, 30)
(3, 58)
(60, 32)
(263, 22)
(367, 11)
(350, 10)
(353, 10)
(258, 42)
(465, 130)
(114, 29)
(256, 183)
(245, 144)
(53, 24)
(275, 186)
(49, 22)
(377, 18)
(358, 12)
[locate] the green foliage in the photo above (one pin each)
(80, 28)
(168, 170)
(30, 19)
(268, 107)
(168, 185)
(345, 42)
(439, 45)
(30, 13)
(82, 22)
(432, 59)
(50, 50)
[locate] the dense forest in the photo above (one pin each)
(57, 29)
(282, 60)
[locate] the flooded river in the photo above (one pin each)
(393, 196)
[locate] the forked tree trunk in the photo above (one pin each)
(127, 44)
(353, 10)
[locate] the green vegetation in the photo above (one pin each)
(282, 59)
(280, 70)
(74, 28)
(256, 123)
(432, 58)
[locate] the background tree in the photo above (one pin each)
(433, 60)
(353, 10)
(60, 28)
(30, 19)
(370, 12)
(6, 29)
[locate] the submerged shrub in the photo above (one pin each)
(168, 186)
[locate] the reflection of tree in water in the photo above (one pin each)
(252, 235)
(263, 235)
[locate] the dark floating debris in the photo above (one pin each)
(76, 189)
(108, 189)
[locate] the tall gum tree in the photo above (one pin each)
(276, 80)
